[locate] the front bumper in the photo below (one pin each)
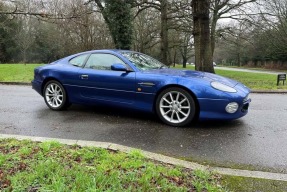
(214, 109)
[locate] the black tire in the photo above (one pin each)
(175, 107)
(55, 96)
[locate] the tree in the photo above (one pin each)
(161, 6)
(180, 18)
(221, 9)
(8, 45)
(203, 55)
(147, 32)
(118, 17)
(257, 39)
(234, 43)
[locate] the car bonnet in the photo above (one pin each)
(194, 74)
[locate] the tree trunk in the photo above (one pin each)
(212, 32)
(164, 32)
(184, 61)
(174, 58)
(203, 55)
(183, 52)
(196, 34)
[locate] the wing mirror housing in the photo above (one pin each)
(119, 67)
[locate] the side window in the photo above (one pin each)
(79, 60)
(101, 61)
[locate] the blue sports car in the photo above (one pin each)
(134, 80)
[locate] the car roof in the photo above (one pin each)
(107, 50)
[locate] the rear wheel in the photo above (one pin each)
(175, 107)
(55, 96)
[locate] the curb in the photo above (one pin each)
(14, 83)
(269, 92)
(158, 157)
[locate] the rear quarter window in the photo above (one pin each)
(79, 60)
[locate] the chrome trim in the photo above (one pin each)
(146, 84)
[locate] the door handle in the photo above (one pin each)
(84, 76)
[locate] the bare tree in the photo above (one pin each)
(162, 7)
(225, 9)
(147, 32)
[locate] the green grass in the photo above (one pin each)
(245, 184)
(51, 166)
(17, 72)
(255, 68)
(255, 81)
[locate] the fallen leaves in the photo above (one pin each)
(4, 182)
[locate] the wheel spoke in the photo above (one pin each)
(184, 114)
(170, 95)
(177, 97)
(50, 91)
(56, 100)
(52, 101)
(164, 106)
(171, 117)
(60, 101)
(182, 101)
(49, 100)
(178, 118)
(166, 101)
(166, 112)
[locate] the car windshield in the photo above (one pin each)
(143, 62)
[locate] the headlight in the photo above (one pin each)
(231, 107)
(222, 87)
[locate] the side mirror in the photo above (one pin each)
(118, 67)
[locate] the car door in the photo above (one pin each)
(99, 82)
(69, 75)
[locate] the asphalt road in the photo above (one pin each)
(256, 141)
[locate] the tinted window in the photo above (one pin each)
(79, 61)
(102, 61)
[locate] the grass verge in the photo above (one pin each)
(51, 166)
(17, 72)
(244, 184)
(255, 81)
(255, 68)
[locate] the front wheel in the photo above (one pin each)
(175, 106)
(55, 95)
